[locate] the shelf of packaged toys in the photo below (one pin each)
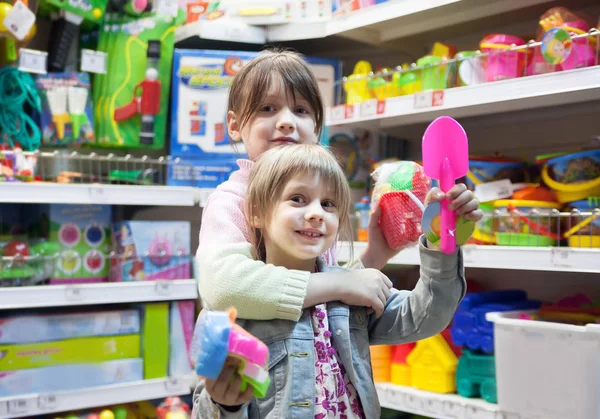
(61, 401)
(557, 259)
(101, 293)
(74, 178)
(395, 19)
(435, 405)
(509, 95)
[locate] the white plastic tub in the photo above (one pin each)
(546, 370)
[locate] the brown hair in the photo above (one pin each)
(254, 79)
(276, 167)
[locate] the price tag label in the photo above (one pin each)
(33, 61)
(561, 257)
(349, 112)
(413, 403)
(453, 410)
(173, 384)
(18, 407)
(429, 99)
(468, 254)
(163, 288)
(491, 191)
(97, 194)
(432, 406)
(337, 113)
(438, 98)
(380, 107)
(423, 99)
(93, 61)
(19, 20)
(73, 293)
(47, 401)
(368, 108)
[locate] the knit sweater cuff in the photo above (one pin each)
(294, 292)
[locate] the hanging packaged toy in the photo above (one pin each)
(220, 337)
(400, 190)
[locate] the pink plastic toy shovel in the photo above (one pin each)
(446, 158)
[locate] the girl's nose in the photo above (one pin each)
(286, 123)
(315, 212)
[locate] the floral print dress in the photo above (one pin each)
(336, 397)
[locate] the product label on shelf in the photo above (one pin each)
(349, 112)
(32, 61)
(19, 20)
(47, 402)
(163, 288)
(380, 107)
(368, 108)
(73, 293)
(490, 191)
(560, 257)
(429, 99)
(93, 61)
(18, 407)
(338, 112)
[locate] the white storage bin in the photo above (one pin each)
(546, 370)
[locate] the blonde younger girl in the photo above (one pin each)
(297, 205)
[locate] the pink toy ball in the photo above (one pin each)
(160, 251)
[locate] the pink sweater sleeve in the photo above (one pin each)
(228, 276)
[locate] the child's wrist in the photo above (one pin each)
(370, 259)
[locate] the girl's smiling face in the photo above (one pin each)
(280, 119)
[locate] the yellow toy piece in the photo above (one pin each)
(400, 374)
(107, 414)
(356, 85)
(433, 365)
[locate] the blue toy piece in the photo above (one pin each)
(213, 330)
(470, 328)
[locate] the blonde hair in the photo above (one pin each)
(272, 172)
(250, 85)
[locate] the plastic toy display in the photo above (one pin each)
(400, 190)
(219, 337)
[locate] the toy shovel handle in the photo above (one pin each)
(448, 218)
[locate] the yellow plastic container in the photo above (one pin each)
(400, 374)
(357, 84)
(584, 241)
(433, 365)
(381, 352)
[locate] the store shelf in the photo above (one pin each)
(227, 30)
(92, 294)
(510, 95)
(396, 19)
(42, 193)
(61, 401)
(556, 259)
(439, 406)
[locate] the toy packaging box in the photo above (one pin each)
(33, 328)
(82, 233)
(129, 100)
(69, 351)
(66, 116)
(201, 81)
(70, 377)
(149, 250)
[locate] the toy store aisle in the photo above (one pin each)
(113, 123)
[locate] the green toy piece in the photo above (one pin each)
(476, 376)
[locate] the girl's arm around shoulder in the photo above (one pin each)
(428, 309)
(229, 276)
(205, 408)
